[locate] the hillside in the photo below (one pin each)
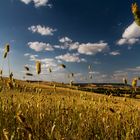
(50, 113)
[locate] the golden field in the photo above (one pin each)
(60, 113)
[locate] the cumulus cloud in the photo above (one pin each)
(130, 41)
(74, 46)
(114, 53)
(40, 46)
(61, 46)
(69, 46)
(131, 35)
(37, 3)
(26, 1)
(65, 39)
(48, 62)
(136, 69)
(118, 76)
(31, 56)
(45, 63)
(44, 31)
(70, 58)
(27, 54)
(129, 73)
(133, 31)
(93, 48)
(83, 48)
(100, 77)
(65, 43)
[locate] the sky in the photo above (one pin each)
(76, 33)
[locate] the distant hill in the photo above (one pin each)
(101, 84)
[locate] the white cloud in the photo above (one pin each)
(132, 31)
(136, 69)
(83, 60)
(69, 45)
(27, 54)
(45, 63)
(118, 76)
(65, 43)
(128, 73)
(61, 46)
(37, 3)
(114, 53)
(40, 46)
(65, 39)
(92, 48)
(26, 1)
(94, 72)
(31, 56)
(74, 46)
(100, 77)
(49, 62)
(44, 31)
(130, 41)
(70, 58)
(131, 35)
(82, 48)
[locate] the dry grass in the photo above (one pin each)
(67, 114)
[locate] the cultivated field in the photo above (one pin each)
(51, 112)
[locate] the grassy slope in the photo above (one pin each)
(67, 114)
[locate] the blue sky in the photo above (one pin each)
(77, 33)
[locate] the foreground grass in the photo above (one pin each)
(69, 115)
